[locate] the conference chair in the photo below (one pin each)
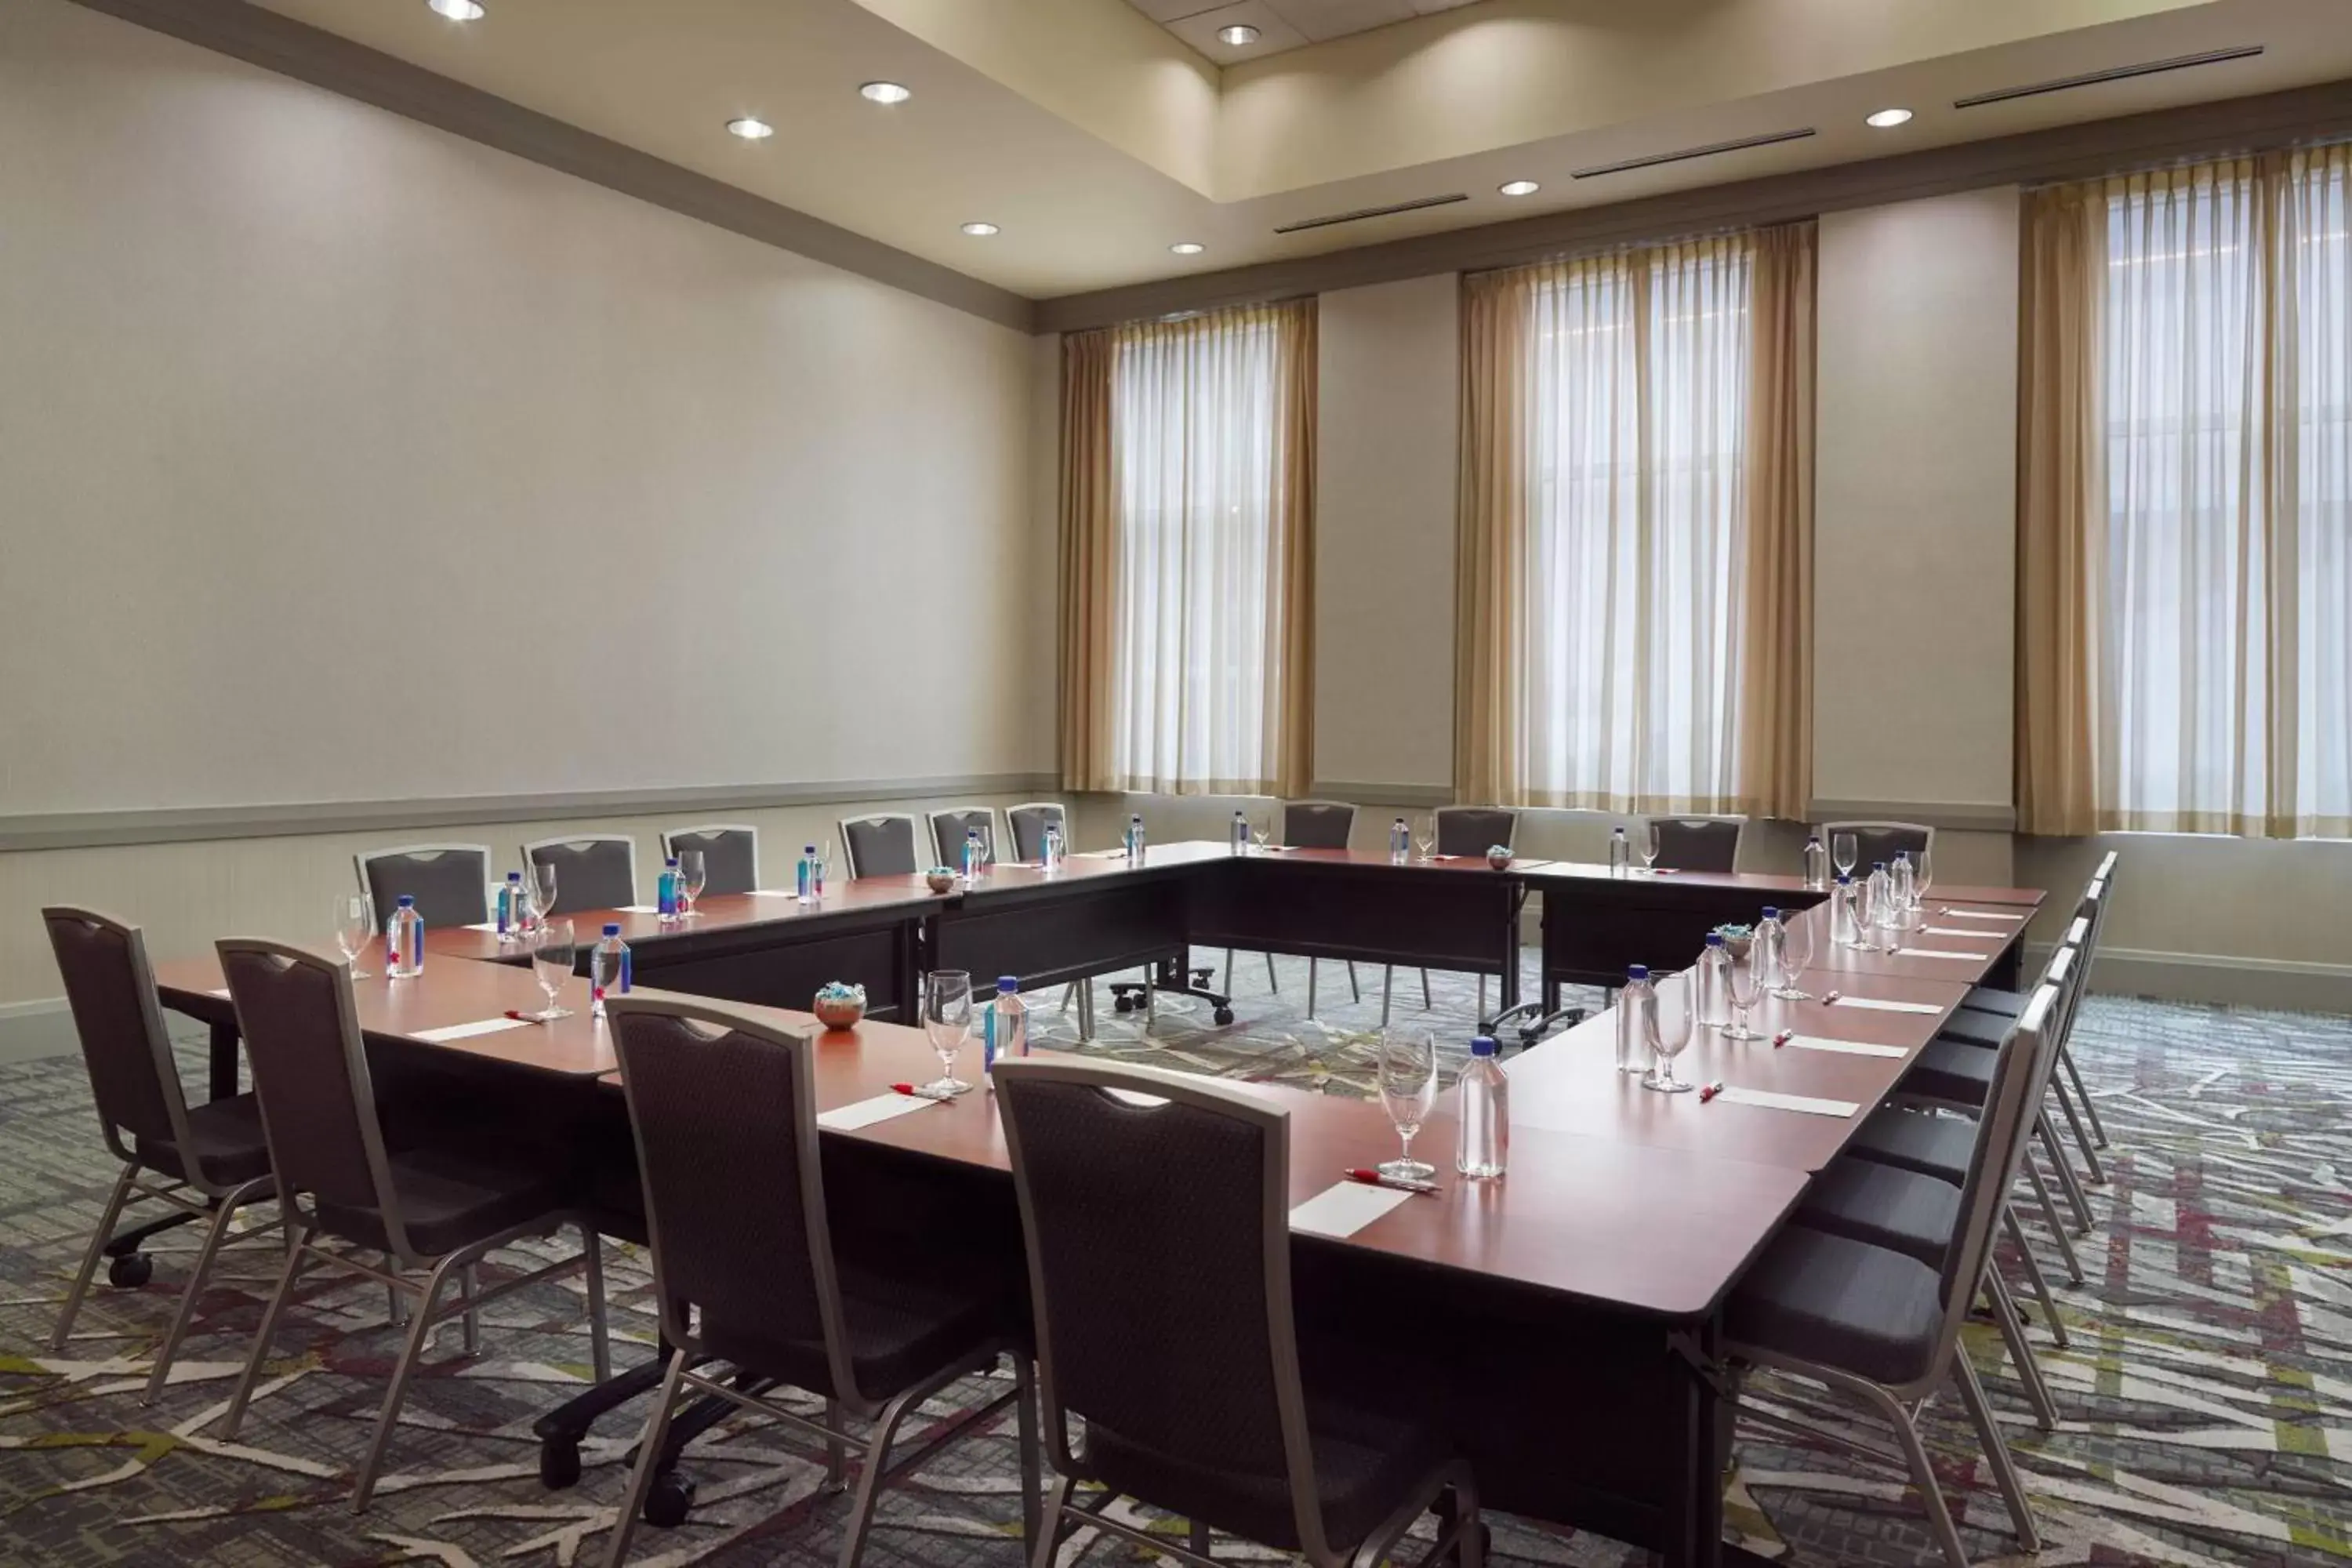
(592, 870)
(1192, 1398)
(1698, 843)
(883, 846)
(730, 855)
(1883, 1326)
(723, 1108)
(1464, 832)
(431, 1212)
(948, 827)
(1027, 824)
(207, 1161)
(450, 882)
(1319, 825)
(1876, 841)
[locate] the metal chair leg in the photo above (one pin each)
(2083, 1139)
(2049, 1218)
(214, 1234)
(1232, 980)
(1996, 1451)
(2021, 1353)
(2067, 1181)
(1087, 1009)
(1923, 1474)
(1024, 1399)
(420, 1331)
(1273, 983)
(1310, 988)
(295, 1259)
(2034, 1277)
(600, 1333)
(97, 1240)
(1355, 991)
(1045, 1544)
(649, 1452)
(1196, 1539)
(2090, 1106)
(1387, 991)
(837, 1452)
(871, 1475)
(469, 1281)
(1068, 993)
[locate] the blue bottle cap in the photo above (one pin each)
(808, 848)
(407, 902)
(1878, 865)
(671, 862)
(1483, 1046)
(1714, 939)
(1771, 913)
(613, 928)
(1846, 878)
(514, 875)
(1637, 972)
(1006, 985)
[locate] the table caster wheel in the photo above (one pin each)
(669, 1501)
(1224, 1016)
(130, 1270)
(1123, 1003)
(559, 1464)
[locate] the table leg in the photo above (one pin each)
(1696, 1533)
(223, 1060)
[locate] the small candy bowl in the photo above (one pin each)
(838, 1005)
(1738, 940)
(940, 880)
(1498, 856)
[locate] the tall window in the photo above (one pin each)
(1631, 508)
(1188, 503)
(2203, 536)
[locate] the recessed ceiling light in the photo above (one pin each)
(1188, 247)
(457, 10)
(1887, 119)
(751, 130)
(979, 230)
(886, 92)
(1239, 33)
(1518, 187)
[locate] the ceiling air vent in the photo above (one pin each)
(1709, 150)
(1362, 213)
(2116, 73)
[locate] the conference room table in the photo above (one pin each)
(1564, 1322)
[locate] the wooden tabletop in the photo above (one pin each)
(1541, 871)
(719, 912)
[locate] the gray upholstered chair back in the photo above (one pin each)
(1697, 843)
(1319, 823)
(111, 992)
(1474, 829)
(593, 871)
(2028, 1053)
(1876, 841)
(948, 828)
(1201, 1381)
(881, 845)
(450, 882)
(730, 856)
(310, 1073)
(724, 1112)
(1028, 824)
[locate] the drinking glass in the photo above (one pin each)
(551, 956)
(1407, 1080)
(947, 1019)
(1646, 843)
(691, 876)
(1796, 957)
(1669, 1028)
(542, 887)
(1845, 850)
(1743, 982)
(1424, 838)
(354, 927)
(1262, 830)
(1923, 875)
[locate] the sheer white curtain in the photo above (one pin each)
(1210, 418)
(2222, 675)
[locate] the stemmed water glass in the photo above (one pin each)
(1796, 957)
(542, 887)
(1923, 875)
(1669, 1027)
(552, 952)
(1743, 982)
(354, 928)
(1408, 1080)
(1262, 829)
(1844, 851)
(1424, 835)
(947, 1019)
(691, 876)
(1645, 844)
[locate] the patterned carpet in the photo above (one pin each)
(2207, 1402)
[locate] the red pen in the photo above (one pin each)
(525, 1018)
(1373, 1178)
(1831, 997)
(912, 1093)
(1710, 1091)
(1783, 1037)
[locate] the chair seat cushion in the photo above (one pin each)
(1994, 999)
(1824, 1299)
(1985, 1029)
(451, 1198)
(903, 1328)
(1884, 1206)
(1920, 1140)
(1366, 1465)
(229, 1146)
(1951, 1069)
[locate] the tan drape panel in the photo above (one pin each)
(1187, 509)
(1089, 525)
(1635, 529)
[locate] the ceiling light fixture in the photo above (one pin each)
(456, 10)
(751, 130)
(885, 92)
(1240, 35)
(1889, 118)
(979, 230)
(1188, 247)
(1518, 187)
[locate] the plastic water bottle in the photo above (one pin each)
(1482, 1121)
(972, 864)
(511, 905)
(1771, 935)
(1713, 984)
(1135, 841)
(1240, 834)
(666, 893)
(1846, 920)
(804, 889)
(608, 970)
(816, 872)
(1876, 908)
(1620, 852)
(1905, 887)
(404, 941)
(1399, 842)
(1053, 858)
(1637, 1003)
(1005, 1032)
(1817, 862)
